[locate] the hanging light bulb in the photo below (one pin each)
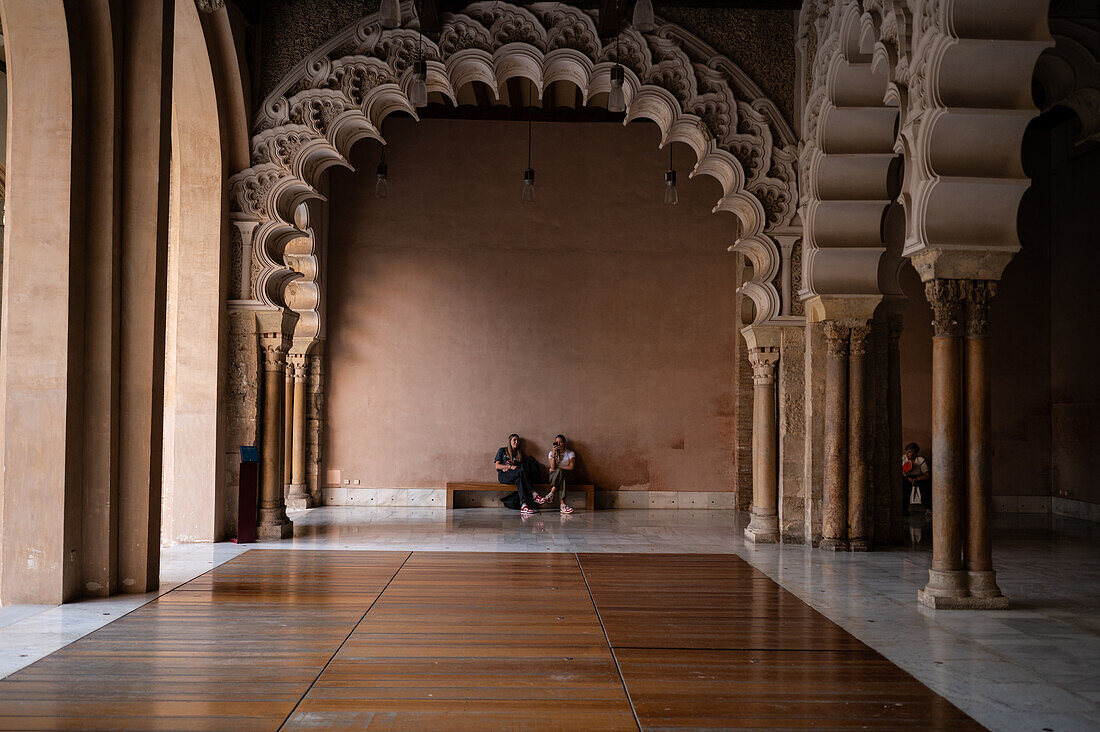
(671, 199)
(391, 13)
(643, 16)
(528, 186)
(616, 101)
(382, 187)
(528, 195)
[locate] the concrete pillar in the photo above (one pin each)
(297, 497)
(982, 580)
(835, 520)
(947, 582)
(898, 533)
(275, 328)
(859, 443)
(764, 525)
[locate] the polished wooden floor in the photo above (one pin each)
(441, 640)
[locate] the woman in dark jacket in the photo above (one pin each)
(515, 469)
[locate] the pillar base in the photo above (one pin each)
(834, 545)
(946, 589)
(962, 603)
(859, 545)
(297, 497)
(763, 529)
(274, 525)
(983, 585)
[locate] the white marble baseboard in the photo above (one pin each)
(1021, 504)
(343, 495)
(1072, 508)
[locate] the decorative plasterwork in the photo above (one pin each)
(343, 90)
(957, 76)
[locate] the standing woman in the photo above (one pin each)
(511, 470)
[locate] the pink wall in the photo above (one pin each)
(457, 314)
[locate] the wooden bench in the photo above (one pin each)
(589, 491)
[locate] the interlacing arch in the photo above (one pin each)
(956, 75)
(343, 91)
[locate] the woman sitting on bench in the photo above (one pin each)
(515, 469)
(561, 461)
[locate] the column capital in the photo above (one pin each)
(763, 360)
(945, 297)
(298, 364)
(859, 335)
(276, 329)
(978, 295)
(836, 337)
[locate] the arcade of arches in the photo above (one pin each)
(880, 237)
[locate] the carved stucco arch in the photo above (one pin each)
(846, 157)
(959, 72)
(342, 91)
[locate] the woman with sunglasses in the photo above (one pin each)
(561, 462)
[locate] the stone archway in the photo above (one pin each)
(344, 89)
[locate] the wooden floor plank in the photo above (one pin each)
(233, 649)
(475, 641)
(707, 641)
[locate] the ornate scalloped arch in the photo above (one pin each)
(846, 156)
(342, 91)
(960, 73)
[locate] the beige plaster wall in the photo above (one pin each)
(457, 315)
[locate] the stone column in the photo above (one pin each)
(297, 497)
(835, 519)
(315, 413)
(982, 580)
(275, 334)
(947, 583)
(859, 453)
(893, 409)
(288, 426)
(764, 525)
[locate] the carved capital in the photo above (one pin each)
(763, 362)
(298, 363)
(859, 335)
(210, 6)
(945, 297)
(274, 348)
(836, 337)
(978, 295)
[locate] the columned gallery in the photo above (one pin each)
(738, 256)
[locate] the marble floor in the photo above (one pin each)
(1033, 667)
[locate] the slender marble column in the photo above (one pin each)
(834, 528)
(288, 426)
(979, 551)
(297, 497)
(898, 533)
(859, 444)
(947, 583)
(275, 335)
(764, 524)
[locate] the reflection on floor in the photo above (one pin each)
(1035, 666)
(473, 640)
